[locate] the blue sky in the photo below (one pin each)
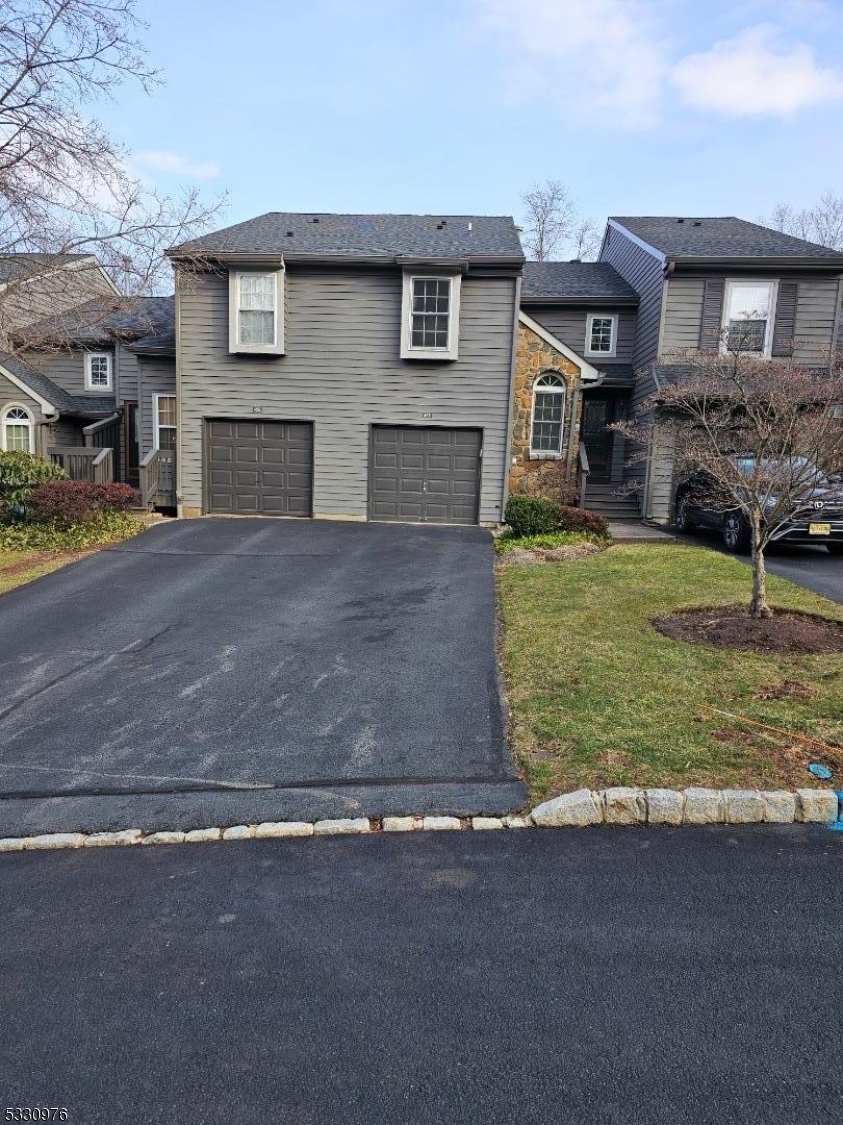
(639, 106)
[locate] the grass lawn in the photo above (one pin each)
(599, 698)
(18, 567)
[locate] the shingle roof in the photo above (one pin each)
(54, 394)
(106, 318)
(161, 341)
(723, 237)
(365, 236)
(14, 267)
(573, 279)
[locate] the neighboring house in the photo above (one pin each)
(590, 310)
(702, 282)
(73, 386)
(348, 366)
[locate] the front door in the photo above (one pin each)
(597, 415)
(132, 440)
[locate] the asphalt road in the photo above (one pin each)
(602, 976)
(221, 671)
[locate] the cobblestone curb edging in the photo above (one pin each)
(621, 805)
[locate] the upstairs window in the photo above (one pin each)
(747, 316)
(431, 317)
(98, 371)
(548, 416)
(256, 312)
(600, 335)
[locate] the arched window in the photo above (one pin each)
(17, 430)
(548, 415)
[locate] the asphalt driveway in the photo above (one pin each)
(219, 671)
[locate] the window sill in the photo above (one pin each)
(600, 355)
(257, 349)
(545, 456)
(427, 354)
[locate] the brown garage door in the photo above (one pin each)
(260, 468)
(424, 475)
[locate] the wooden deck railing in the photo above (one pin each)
(157, 479)
(82, 462)
(106, 434)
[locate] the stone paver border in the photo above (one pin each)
(621, 805)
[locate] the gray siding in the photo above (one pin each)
(342, 370)
(661, 475)
(30, 301)
(816, 312)
(683, 313)
(155, 376)
(126, 375)
(816, 307)
(66, 368)
(645, 274)
(568, 325)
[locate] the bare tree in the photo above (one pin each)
(821, 223)
(585, 239)
(66, 186)
(550, 218)
(762, 440)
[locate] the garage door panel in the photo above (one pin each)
(434, 474)
(260, 468)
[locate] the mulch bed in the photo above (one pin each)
(731, 627)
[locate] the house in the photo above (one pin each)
(701, 282)
(348, 366)
(400, 367)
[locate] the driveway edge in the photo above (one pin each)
(619, 806)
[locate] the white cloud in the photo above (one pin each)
(178, 165)
(599, 55)
(755, 74)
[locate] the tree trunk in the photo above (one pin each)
(758, 607)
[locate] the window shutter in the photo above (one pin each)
(785, 325)
(712, 316)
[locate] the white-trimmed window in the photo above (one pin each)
(548, 420)
(430, 316)
(256, 311)
(164, 421)
(17, 429)
(601, 332)
(748, 308)
(98, 371)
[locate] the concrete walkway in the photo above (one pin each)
(634, 531)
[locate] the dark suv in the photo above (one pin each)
(816, 519)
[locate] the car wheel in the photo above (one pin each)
(735, 533)
(834, 548)
(682, 519)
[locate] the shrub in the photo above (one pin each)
(69, 502)
(101, 528)
(581, 519)
(20, 473)
(532, 515)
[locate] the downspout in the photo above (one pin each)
(510, 421)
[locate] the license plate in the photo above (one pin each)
(819, 529)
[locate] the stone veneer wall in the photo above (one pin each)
(551, 477)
